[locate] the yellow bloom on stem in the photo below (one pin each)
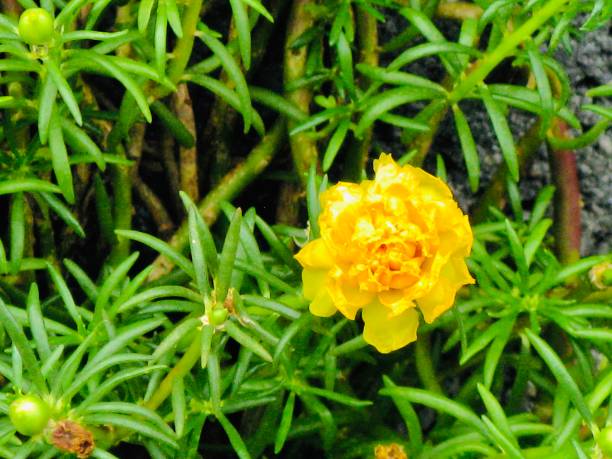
(387, 246)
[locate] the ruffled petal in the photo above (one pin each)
(386, 333)
(348, 299)
(315, 254)
(442, 296)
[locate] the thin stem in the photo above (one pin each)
(183, 107)
(183, 366)
(424, 364)
(303, 148)
(228, 188)
(182, 50)
(358, 150)
(506, 48)
(567, 197)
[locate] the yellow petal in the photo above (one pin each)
(396, 301)
(314, 282)
(315, 254)
(388, 334)
(442, 296)
(322, 305)
(348, 299)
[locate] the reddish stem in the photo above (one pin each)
(567, 198)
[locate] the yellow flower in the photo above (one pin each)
(387, 246)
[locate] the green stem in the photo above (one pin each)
(357, 155)
(182, 50)
(424, 364)
(183, 366)
(122, 206)
(303, 148)
(227, 189)
(507, 46)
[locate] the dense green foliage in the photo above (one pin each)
(132, 125)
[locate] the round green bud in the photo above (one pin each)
(36, 26)
(29, 414)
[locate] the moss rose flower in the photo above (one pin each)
(387, 246)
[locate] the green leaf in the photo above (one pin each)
(11, 186)
(335, 396)
(124, 336)
(67, 298)
(430, 49)
(46, 102)
(335, 143)
(502, 131)
(64, 89)
(160, 246)
(518, 254)
(20, 341)
(228, 257)
(535, 238)
(496, 413)
(59, 157)
(398, 78)
(160, 37)
(388, 100)
(133, 410)
(231, 97)
(432, 34)
(79, 141)
(106, 65)
(178, 332)
(494, 353)
(174, 18)
(410, 417)
(243, 29)
(247, 341)
(483, 338)
(117, 277)
(37, 323)
(145, 7)
(17, 230)
(207, 335)
(179, 407)
(234, 72)
(468, 146)
(64, 213)
(277, 246)
(234, 437)
(276, 102)
(438, 403)
(173, 124)
(285, 423)
(543, 85)
(505, 444)
(560, 373)
(134, 424)
(257, 6)
(345, 61)
(541, 204)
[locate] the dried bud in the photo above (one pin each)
(392, 451)
(601, 275)
(72, 437)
